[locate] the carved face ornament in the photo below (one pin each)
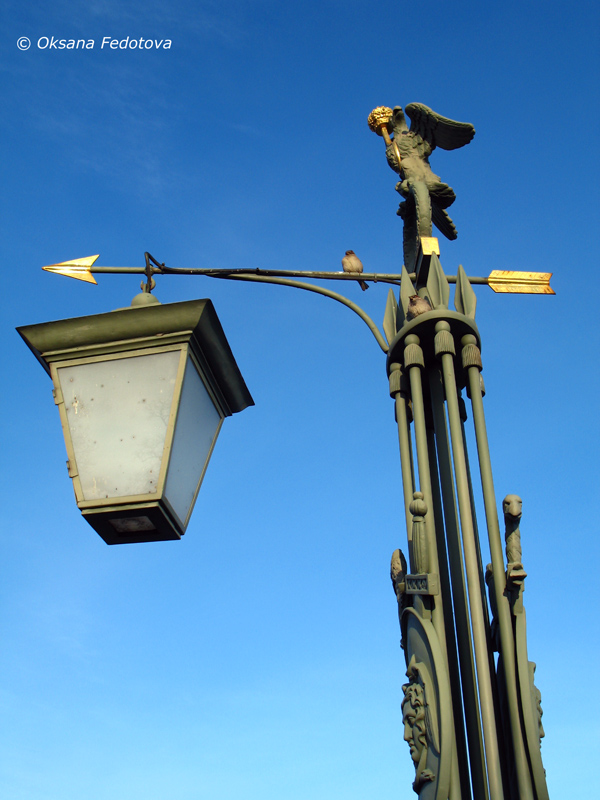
(513, 506)
(413, 716)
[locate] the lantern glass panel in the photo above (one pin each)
(118, 412)
(198, 423)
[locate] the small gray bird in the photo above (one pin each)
(352, 263)
(416, 306)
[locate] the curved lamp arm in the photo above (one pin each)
(311, 288)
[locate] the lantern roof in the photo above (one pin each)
(194, 321)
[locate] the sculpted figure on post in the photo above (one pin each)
(398, 570)
(426, 197)
(419, 722)
(512, 505)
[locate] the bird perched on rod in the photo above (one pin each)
(352, 263)
(416, 306)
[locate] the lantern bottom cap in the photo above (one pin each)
(146, 522)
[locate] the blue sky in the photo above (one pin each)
(259, 656)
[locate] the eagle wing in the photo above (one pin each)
(437, 130)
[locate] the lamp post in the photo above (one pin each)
(471, 711)
(142, 394)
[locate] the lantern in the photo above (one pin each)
(142, 393)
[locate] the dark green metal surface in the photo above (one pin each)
(496, 711)
(150, 326)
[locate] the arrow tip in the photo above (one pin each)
(78, 268)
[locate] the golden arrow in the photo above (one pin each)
(505, 281)
(77, 268)
(502, 280)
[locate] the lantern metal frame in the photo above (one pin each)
(193, 329)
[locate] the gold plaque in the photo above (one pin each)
(430, 246)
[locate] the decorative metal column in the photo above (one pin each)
(472, 718)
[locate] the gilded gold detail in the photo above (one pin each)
(379, 118)
(512, 282)
(430, 246)
(78, 268)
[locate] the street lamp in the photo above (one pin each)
(142, 393)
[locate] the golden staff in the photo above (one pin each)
(379, 122)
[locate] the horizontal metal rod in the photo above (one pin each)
(376, 277)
